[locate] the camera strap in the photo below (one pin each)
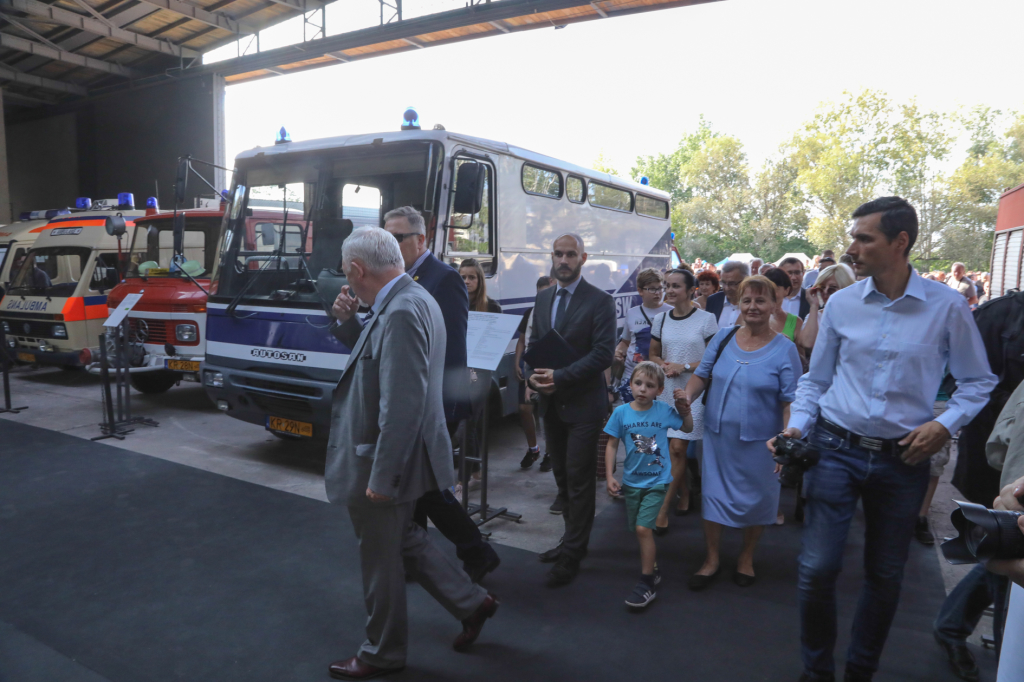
(718, 354)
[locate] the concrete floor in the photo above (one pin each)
(194, 433)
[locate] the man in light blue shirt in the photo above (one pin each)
(867, 403)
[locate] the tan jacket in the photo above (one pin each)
(1005, 446)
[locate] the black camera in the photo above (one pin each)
(796, 456)
(984, 534)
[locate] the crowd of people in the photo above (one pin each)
(706, 378)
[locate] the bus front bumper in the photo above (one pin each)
(255, 397)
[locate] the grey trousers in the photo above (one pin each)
(387, 538)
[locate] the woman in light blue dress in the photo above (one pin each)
(753, 382)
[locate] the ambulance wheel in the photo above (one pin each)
(154, 382)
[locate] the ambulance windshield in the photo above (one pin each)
(50, 271)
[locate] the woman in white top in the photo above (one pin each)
(678, 340)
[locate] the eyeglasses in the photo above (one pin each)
(400, 236)
(654, 290)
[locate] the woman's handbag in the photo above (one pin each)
(718, 354)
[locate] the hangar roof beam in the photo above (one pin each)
(12, 42)
(63, 17)
(215, 19)
(15, 76)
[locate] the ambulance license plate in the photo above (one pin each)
(183, 365)
(296, 428)
(26, 357)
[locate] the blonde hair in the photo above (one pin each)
(840, 272)
(650, 370)
(648, 276)
(761, 284)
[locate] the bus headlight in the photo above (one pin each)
(215, 379)
(60, 331)
(186, 333)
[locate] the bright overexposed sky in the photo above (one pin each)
(630, 86)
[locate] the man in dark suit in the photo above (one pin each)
(573, 399)
(443, 282)
(796, 303)
(725, 304)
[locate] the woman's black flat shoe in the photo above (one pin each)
(743, 580)
(700, 582)
(660, 530)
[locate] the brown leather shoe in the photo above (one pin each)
(472, 626)
(354, 669)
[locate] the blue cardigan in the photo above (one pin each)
(756, 383)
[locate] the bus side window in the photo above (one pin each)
(472, 234)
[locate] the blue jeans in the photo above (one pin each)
(964, 606)
(891, 493)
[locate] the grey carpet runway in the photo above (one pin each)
(121, 567)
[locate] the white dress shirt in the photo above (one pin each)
(568, 297)
(877, 364)
(730, 314)
(791, 305)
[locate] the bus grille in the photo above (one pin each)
(278, 406)
(282, 387)
(155, 331)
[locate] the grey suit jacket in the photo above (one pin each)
(388, 430)
(581, 394)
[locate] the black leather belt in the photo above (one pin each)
(889, 446)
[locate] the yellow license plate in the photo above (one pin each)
(26, 357)
(291, 426)
(183, 365)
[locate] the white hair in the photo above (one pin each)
(579, 240)
(736, 265)
(414, 217)
(953, 266)
(375, 247)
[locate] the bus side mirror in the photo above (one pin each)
(469, 188)
(116, 226)
(179, 233)
(180, 182)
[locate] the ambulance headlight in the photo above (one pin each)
(12, 343)
(215, 379)
(7, 327)
(186, 333)
(60, 331)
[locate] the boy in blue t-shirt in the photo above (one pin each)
(647, 472)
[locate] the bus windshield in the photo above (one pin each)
(321, 198)
(51, 271)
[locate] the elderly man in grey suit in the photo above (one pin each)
(388, 446)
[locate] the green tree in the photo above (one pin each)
(601, 164)
(841, 156)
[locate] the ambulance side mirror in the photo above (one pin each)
(180, 182)
(116, 226)
(179, 233)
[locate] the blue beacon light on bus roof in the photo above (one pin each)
(282, 136)
(645, 180)
(83, 203)
(410, 119)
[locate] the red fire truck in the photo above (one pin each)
(1007, 245)
(168, 324)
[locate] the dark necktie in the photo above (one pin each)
(563, 296)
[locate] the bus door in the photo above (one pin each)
(471, 225)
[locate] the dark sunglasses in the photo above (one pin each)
(400, 237)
